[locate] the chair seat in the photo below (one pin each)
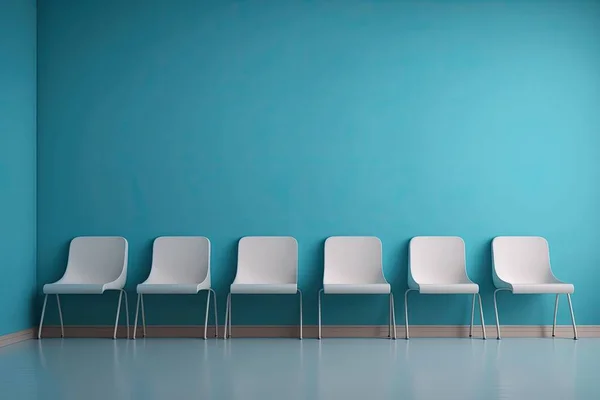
(368, 288)
(454, 288)
(540, 288)
(171, 288)
(74, 288)
(263, 288)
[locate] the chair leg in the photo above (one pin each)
(393, 315)
(320, 292)
(137, 311)
(42, 317)
(555, 312)
(406, 313)
(206, 314)
(481, 316)
(300, 292)
(227, 316)
(230, 312)
(215, 308)
(390, 317)
(62, 327)
(126, 312)
(572, 317)
(496, 310)
(472, 315)
(143, 315)
(118, 312)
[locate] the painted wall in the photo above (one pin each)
(17, 164)
(311, 119)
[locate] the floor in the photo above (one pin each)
(292, 369)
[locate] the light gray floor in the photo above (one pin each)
(293, 369)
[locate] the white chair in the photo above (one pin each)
(437, 265)
(96, 264)
(180, 265)
(353, 265)
(266, 265)
(521, 265)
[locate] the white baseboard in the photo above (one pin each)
(16, 337)
(329, 331)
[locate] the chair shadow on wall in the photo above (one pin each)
(480, 271)
(222, 275)
(311, 281)
(396, 271)
(57, 264)
(141, 265)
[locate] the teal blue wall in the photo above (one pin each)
(311, 119)
(17, 164)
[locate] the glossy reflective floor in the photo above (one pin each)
(292, 369)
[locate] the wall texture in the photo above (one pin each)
(311, 119)
(17, 164)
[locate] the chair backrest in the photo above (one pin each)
(521, 259)
(180, 259)
(267, 260)
(97, 260)
(353, 260)
(437, 260)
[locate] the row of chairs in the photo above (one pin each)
(269, 265)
